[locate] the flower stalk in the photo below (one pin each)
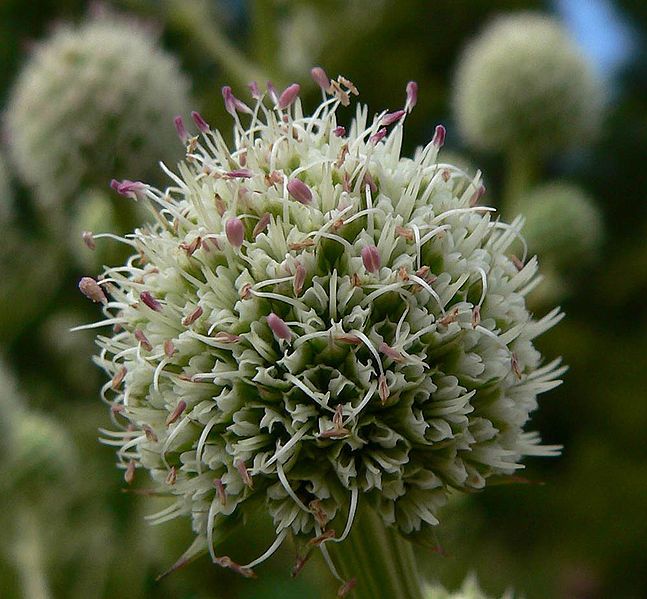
(380, 560)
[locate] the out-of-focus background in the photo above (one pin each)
(88, 92)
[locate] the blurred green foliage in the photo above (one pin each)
(580, 534)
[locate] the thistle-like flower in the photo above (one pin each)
(313, 323)
(524, 84)
(563, 225)
(94, 100)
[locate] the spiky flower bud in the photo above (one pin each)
(369, 345)
(523, 83)
(563, 225)
(94, 101)
(469, 590)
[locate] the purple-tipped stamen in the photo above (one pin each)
(377, 137)
(200, 122)
(232, 103)
(182, 133)
(371, 258)
(92, 290)
(128, 188)
(299, 278)
(299, 191)
(241, 173)
(150, 301)
(88, 239)
(288, 96)
(392, 117)
(255, 90)
(339, 131)
(278, 326)
(412, 96)
(320, 78)
(390, 352)
(235, 231)
(261, 224)
(439, 136)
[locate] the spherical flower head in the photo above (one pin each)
(563, 225)
(94, 101)
(368, 346)
(524, 84)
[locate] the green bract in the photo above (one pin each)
(94, 100)
(523, 84)
(314, 322)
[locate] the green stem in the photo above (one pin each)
(192, 17)
(521, 174)
(29, 557)
(380, 559)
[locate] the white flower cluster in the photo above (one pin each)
(315, 322)
(92, 100)
(524, 85)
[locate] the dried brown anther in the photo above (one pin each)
(118, 378)
(189, 319)
(341, 157)
(514, 363)
(224, 337)
(316, 541)
(476, 316)
(404, 232)
(383, 389)
(449, 317)
(226, 562)
(517, 263)
(244, 473)
(171, 477)
(245, 291)
(220, 204)
(301, 245)
(348, 338)
(150, 434)
(347, 587)
(176, 413)
(390, 352)
(220, 491)
(169, 348)
(318, 512)
(261, 225)
(143, 340)
(129, 475)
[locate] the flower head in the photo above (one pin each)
(94, 100)
(337, 357)
(563, 225)
(524, 84)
